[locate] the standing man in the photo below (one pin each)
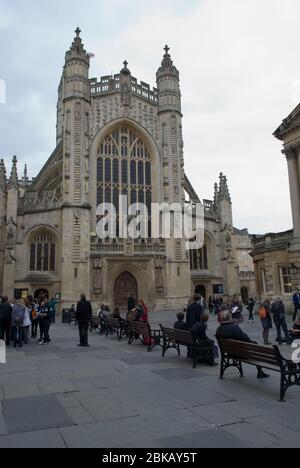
(251, 304)
(278, 311)
(296, 301)
(194, 312)
(83, 316)
(45, 315)
(5, 320)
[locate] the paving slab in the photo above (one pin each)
(203, 439)
(104, 406)
(34, 414)
(100, 435)
(250, 436)
(31, 440)
(179, 374)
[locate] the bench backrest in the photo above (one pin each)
(113, 322)
(179, 336)
(250, 351)
(140, 328)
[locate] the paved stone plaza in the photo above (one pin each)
(114, 395)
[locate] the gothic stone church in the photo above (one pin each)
(114, 136)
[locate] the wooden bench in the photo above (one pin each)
(95, 323)
(116, 326)
(142, 331)
(234, 353)
(200, 351)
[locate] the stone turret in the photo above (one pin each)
(2, 176)
(167, 77)
(171, 147)
(12, 198)
(125, 84)
(76, 71)
(13, 181)
(76, 108)
(3, 186)
(223, 202)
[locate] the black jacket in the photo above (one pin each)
(199, 331)
(5, 311)
(194, 313)
(131, 303)
(278, 311)
(180, 325)
(230, 331)
(84, 311)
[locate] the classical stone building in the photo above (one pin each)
(114, 137)
(277, 256)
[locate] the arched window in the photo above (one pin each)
(124, 168)
(43, 253)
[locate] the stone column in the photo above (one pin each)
(294, 177)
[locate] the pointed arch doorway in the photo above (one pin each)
(124, 285)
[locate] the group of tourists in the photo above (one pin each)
(275, 312)
(22, 319)
(137, 311)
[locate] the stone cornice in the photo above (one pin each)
(292, 152)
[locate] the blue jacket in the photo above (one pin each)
(296, 299)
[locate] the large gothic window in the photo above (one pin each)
(43, 253)
(124, 168)
(199, 259)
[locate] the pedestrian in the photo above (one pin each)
(45, 317)
(53, 305)
(250, 307)
(278, 312)
(296, 301)
(194, 312)
(266, 320)
(84, 315)
(33, 315)
(5, 320)
(145, 316)
(17, 319)
(229, 330)
(201, 338)
(27, 322)
(211, 304)
(295, 331)
(237, 310)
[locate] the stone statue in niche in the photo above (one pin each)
(159, 276)
(97, 277)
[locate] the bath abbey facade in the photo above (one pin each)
(115, 136)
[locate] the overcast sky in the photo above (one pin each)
(240, 76)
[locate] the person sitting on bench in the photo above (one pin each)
(228, 330)
(295, 331)
(180, 324)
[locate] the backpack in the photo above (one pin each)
(18, 316)
(262, 313)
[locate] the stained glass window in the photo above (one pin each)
(42, 253)
(124, 168)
